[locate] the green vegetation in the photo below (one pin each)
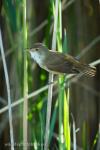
(74, 104)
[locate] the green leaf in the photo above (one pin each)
(10, 10)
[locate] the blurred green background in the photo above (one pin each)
(75, 110)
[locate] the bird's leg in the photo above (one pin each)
(55, 80)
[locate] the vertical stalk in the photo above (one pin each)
(25, 88)
(63, 101)
(49, 103)
(8, 92)
(61, 80)
(66, 120)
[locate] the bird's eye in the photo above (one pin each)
(37, 49)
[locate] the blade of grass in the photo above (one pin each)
(25, 90)
(49, 103)
(84, 137)
(61, 81)
(64, 130)
(11, 13)
(66, 120)
(42, 129)
(74, 134)
(8, 92)
(66, 104)
(53, 120)
(96, 142)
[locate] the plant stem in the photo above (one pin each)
(8, 92)
(25, 90)
(49, 103)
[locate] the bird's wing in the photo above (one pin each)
(60, 63)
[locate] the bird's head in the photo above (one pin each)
(38, 52)
(38, 48)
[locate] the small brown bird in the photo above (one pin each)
(59, 63)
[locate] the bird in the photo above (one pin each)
(59, 63)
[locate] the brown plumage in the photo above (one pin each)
(59, 63)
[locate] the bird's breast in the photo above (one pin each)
(38, 58)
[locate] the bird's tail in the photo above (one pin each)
(87, 70)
